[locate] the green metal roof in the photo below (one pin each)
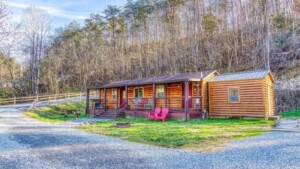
(258, 74)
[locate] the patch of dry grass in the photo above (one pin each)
(54, 113)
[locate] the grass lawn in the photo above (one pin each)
(198, 135)
(292, 114)
(53, 113)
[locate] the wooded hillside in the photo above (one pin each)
(10, 77)
(148, 38)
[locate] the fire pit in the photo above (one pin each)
(123, 125)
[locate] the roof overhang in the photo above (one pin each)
(141, 84)
(164, 80)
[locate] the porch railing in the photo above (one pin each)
(173, 103)
(194, 103)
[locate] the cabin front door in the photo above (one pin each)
(123, 97)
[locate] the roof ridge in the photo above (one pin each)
(252, 71)
(256, 74)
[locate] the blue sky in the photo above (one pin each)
(63, 12)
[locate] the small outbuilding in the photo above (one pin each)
(242, 94)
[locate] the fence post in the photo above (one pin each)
(37, 98)
(80, 96)
(49, 100)
(15, 100)
(68, 97)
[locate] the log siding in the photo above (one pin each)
(251, 99)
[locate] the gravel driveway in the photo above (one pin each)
(26, 143)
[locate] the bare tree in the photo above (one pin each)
(36, 30)
(4, 24)
(5, 16)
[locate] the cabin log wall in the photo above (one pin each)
(110, 102)
(251, 98)
(174, 93)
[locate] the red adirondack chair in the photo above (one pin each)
(163, 115)
(156, 112)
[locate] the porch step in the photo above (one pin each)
(107, 114)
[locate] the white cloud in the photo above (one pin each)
(52, 11)
(18, 5)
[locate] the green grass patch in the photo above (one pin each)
(53, 113)
(199, 135)
(292, 114)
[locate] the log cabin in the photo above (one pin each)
(189, 95)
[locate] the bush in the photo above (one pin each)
(287, 100)
(4, 94)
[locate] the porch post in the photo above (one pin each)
(100, 95)
(126, 88)
(154, 96)
(198, 94)
(117, 101)
(202, 91)
(104, 98)
(165, 95)
(186, 98)
(87, 106)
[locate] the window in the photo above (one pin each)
(138, 92)
(160, 91)
(115, 94)
(234, 95)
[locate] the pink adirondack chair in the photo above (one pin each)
(156, 112)
(163, 115)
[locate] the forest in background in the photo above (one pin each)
(148, 38)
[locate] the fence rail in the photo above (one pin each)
(39, 98)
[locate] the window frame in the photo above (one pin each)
(239, 94)
(134, 91)
(163, 91)
(114, 95)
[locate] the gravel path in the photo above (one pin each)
(288, 125)
(26, 143)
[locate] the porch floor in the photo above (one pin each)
(173, 114)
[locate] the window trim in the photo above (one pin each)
(239, 95)
(138, 88)
(164, 92)
(113, 90)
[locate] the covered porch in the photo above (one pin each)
(184, 99)
(185, 95)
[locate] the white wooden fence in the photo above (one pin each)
(41, 98)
